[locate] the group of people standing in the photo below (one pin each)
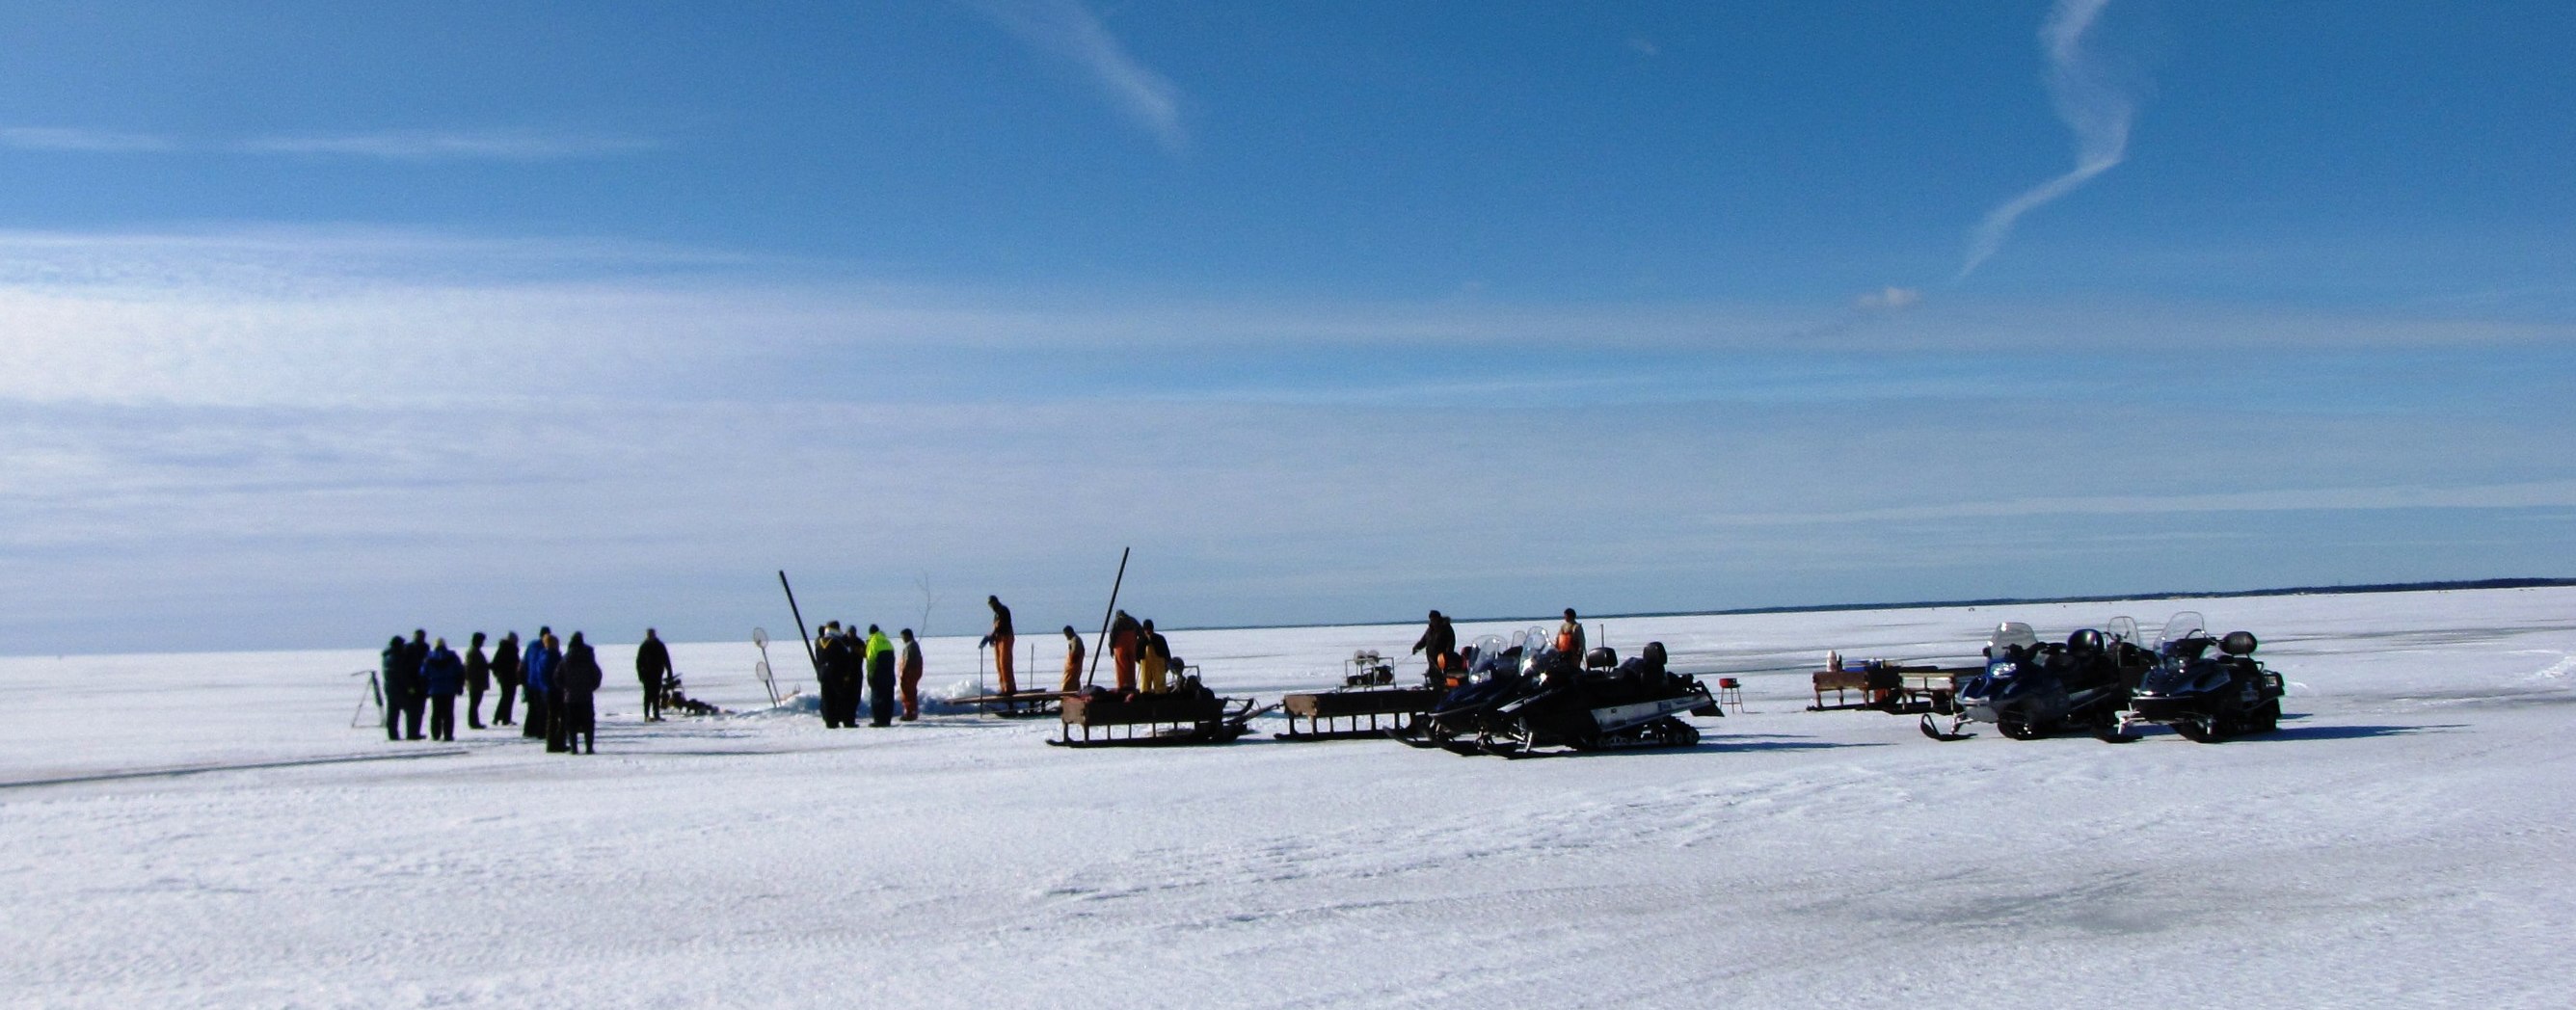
(1136, 648)
(845, 659)
(561, 677)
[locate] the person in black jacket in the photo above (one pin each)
(505, 672)
(478, 678)
(1001, 638)
(578, 680)
(393, 686)
(831, 673)
(1439, 647)
(415, 700)
(652, 664)
(441, 676)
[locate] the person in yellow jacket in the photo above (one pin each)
(880, 677)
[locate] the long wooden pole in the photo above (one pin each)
(1114, 586)
(810, 657)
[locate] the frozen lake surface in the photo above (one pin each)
(193, 830)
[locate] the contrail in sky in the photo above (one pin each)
(2088, 101)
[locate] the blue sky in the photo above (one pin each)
(326, 320)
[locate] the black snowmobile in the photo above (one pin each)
(2032, 689)
(2203, 697)
(1527, 695)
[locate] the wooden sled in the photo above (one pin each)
(1892, 688)
(1354, 715)
(1016, 705)
(1150, 720)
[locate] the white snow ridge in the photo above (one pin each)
(208, 830)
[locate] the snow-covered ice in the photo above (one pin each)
(188, 830)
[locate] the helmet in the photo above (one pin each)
(2087, 640)
(2238, 643)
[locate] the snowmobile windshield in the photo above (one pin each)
(1490, 657)
(2123, 628)
(2010, 634)
(2188, 624)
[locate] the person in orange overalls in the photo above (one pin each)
(911, 682)
(1124, 636)
(1072, 660)
(1001, 639)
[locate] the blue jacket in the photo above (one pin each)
(537, 669)
(442, 674)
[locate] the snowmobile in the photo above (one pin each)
(2203, 697)
(1528, 695)
(2031, 689)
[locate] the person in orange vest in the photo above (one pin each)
(1124, 637)
(911, 677)
(1001, 640)
(1569, 637)
(1072, 660)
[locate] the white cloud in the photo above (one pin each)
(74, 139)
(448, 145)
(1069, 30)
(2091, 103)
(1889, 299)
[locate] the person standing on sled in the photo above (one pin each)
(1001, 640)
(505, 672)
(652, 665)
(1124, 636)
(1072, 660)
(536, 669)
(576, 686)
(1439, 646)
(478, 679)
(1155, 655)
(441, 676)
(880, 678)
(911, 682)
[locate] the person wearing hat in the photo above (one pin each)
(441, 676)
(831, 674)
(880, 657)
(1439, 647)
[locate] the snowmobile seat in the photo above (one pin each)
(1602, 657)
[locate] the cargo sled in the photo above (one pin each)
(1014, 705)
(1889, 686)
(1368, 704)
(1188, 714)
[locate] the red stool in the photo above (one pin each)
(1730, 691)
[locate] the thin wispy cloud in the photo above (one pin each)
(1068, 30)
(445, 145)
(75, 139)
(385, 145)
(2091, 102)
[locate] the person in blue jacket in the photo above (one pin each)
(442, 674)
(536, 670)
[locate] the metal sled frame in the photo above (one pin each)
(1151, 720)
(1356, 714)
(1016, 705)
